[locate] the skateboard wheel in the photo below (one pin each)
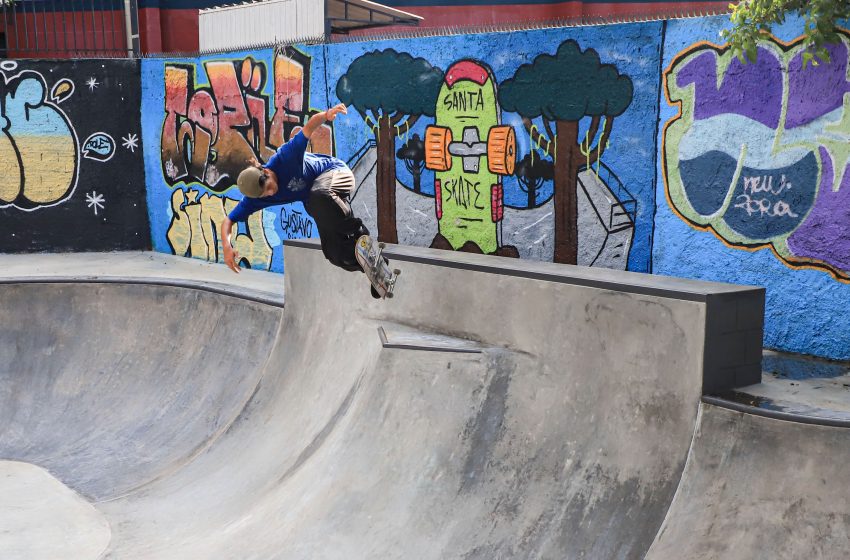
(501, 150)
(382, 245)
(396, 271)
(437, 140)
(389, 295)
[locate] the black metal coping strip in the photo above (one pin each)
(670, 293)
(776, 414)
(387, 344)
(173, 283)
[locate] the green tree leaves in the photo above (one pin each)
(751, 18)
(390, 81)
(568, 86)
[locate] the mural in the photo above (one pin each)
(511, 155)
(469, 197)
(391, 91)
(218, 114)
(758, 153)
(561, 90)
(752, 164)
(454, 144)
(195, 222)
(211, 132)
(57, 191)
(38, 149)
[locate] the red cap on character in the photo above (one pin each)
(466, 70)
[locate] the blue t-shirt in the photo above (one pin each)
(296, 169)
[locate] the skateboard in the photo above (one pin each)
(376, 267)
(469, 151)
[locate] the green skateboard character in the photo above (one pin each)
(468, 150)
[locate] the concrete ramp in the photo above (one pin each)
(494, 408)
(758, 487)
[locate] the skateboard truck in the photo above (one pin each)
(500, 149)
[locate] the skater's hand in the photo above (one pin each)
(231, 259)
(331, 113)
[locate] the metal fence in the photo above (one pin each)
(99, 29)
(68, 28)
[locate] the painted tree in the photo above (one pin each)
(413, 156)
(561, 90)
(390, 90)
(532, 172)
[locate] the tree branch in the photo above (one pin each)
(411, 121)
(363, 115)
(396, 117)
(603, 140)
(591, 132)
(548, 126)
(537, 138)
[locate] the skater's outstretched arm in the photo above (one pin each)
(319, 119)
(231, 255)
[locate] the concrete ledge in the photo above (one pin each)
(141, 267)
(732, 316)
(730, 404)
(602, 278)
(221, 289)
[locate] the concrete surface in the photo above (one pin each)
(141, 266)
(46, 520)
(520, 410)
(759, 488)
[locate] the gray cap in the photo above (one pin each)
(249, 182)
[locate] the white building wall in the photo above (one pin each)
(234, 27)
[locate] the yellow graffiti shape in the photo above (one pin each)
(196, 223)
(62, 90)
(10, 169)
(43, 145)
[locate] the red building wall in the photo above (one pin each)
(65, 34)
(168, 30)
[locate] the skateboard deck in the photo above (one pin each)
(369, 255)
(469, 151)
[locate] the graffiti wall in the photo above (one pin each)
(461, 143)
(644, 146)
(72, 174)
(204, 120)
(754, 161)
(536, 144)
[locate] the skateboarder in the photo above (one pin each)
(323, 183)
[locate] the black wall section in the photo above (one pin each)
(71, 167)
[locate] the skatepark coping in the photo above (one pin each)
(602, 278)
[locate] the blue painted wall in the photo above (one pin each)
(610, 233)
(187, 206)
(773, 214)
(738, 181)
